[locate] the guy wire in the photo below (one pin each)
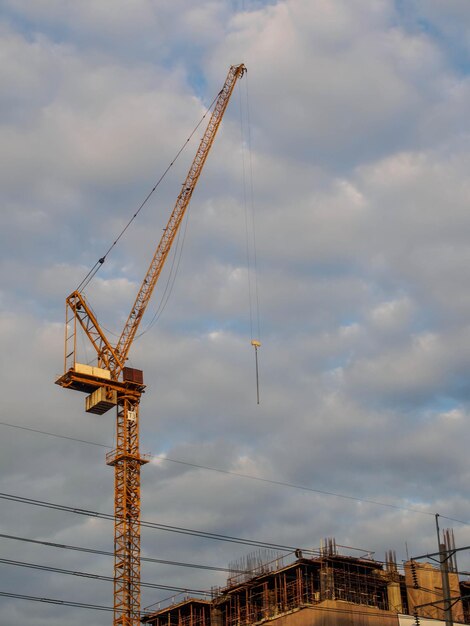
(93, 271)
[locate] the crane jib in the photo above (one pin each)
(114, 358)
(178, 212)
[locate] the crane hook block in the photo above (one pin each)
(256, 344)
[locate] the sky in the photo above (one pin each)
(345, 149)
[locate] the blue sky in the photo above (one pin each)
(360, 154)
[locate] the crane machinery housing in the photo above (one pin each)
(112, 384)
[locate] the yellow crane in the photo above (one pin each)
(112, 384)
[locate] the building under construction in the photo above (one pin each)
(327, 588)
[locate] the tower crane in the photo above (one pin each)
(112, 384)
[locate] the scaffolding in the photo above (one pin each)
(188, 612)
(268, 595)
(303, 583)
(330, 582)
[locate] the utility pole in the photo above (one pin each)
(447, 553)
(444, 556)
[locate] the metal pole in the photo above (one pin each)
(443, 560)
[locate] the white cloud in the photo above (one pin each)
(393, 315)
(360, 159)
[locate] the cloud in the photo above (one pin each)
(359, 154)
(328, 63)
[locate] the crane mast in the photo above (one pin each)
(112, 384)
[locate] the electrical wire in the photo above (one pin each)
(147, 559)
(91, 274)
(78, 605)
(164, 527)
(201, 592)
(152, 525)
(269, 481)
(326, 609)
(59, 570)
(323, 492)
(44, 432)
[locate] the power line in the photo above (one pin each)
(147, 559)
(78, 605)
(59, 570)
(171, 277)
(146, 524)
(155, 560)
(44, 432)
(269, 481)
(323, 492)
(96, 607)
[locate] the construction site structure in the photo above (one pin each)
(327, 590)
(112, 384)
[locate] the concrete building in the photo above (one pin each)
(326, 590)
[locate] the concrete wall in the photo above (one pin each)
(407, 620)
(430, 590)
(337, 613)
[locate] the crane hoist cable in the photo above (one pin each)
(170, 283)
(250, 231)
(171, 277)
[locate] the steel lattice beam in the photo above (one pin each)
(127, 461)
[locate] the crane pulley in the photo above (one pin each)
(111, 383)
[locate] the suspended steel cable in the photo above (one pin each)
(252, 203)
(245, 207)
(59, 570)
(147, 559)
(162, 303)
(153, 525)
(91, 274)
(153, 560)
(203, 592)
(170, 282)
(49, 434)
(249, 208)
(78, 605)
(270, 481)
(367, 612)
(171, 277)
